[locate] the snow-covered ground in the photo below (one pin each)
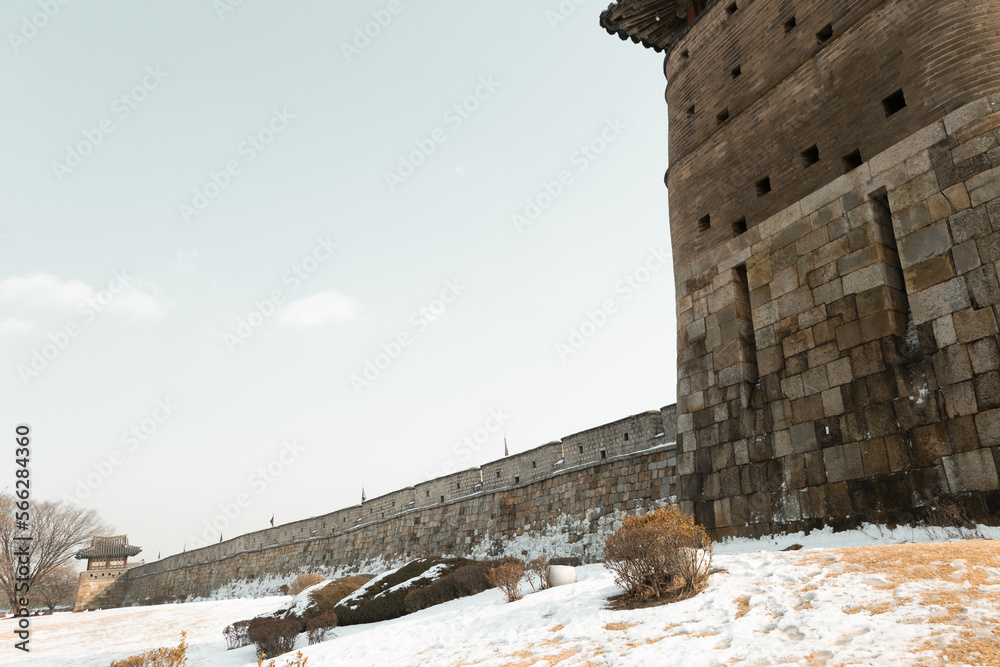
(875, 603)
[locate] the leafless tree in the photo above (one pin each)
(57, 530)
(57, 588)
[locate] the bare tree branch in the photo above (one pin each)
(57, 531)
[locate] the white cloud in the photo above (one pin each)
(15, 326)
(329, 306)
(44, 288)
(123, 294)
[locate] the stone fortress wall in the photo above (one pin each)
(835, 216)
(625, 466)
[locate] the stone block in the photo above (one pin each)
(839, 372)
(966, 257)
(944, 331)
(958, 197)
(972, 325)
(952, 364)
(939, 300)
(815, 468)
(899, 453)
(963, 434)
(972, 471)
(985, 355)
(960, 118)
(913, 144)
(983, 286)
(843, 462)
(803, 438)
(930, 443)
(988, 428)
(987, 386)
(874, 457)
(833, 403)
(913, 191)
(924, 244)
(960, 399)
(929, 273)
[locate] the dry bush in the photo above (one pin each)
(318, 626)
(236, 634)
(304, 581)
(273, 636)
(338, 589)
(298, 661)
(507, 577)
(954, 521)
(537, 571)
(572, 561)
(466, 580)
(660, 554)
(160, 657)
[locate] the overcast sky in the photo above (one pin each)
(241, 235)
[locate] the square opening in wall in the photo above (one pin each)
(581, 449)
(498, 474)
(739, 227)
(626, 436)
(731, 9)
(705, 223)
(894, 103)
(825, 34)
(604, 454)
(810, 156)
(763, 186)
(517, 479)
(458, 485)
(852, 161)
(685, 54)
(442, 498)
(534, 464)
(737, 71)
(789, 25)
(690, 110)
(723, 116)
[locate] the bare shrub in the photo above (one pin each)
(571, 561)
(273, 636)
(304, 581)
(236, 634)
(507, 577)
(660, 554)
(160, 657)
(537, 571)
(318, 626)
(954, 521)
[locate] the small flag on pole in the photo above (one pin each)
(220, 538)
(272, 521)
(362, 495)
(505, 452)
(157, 555)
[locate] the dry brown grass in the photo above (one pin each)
(973, 564)
(742, 606)
(619, 626)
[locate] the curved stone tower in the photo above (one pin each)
(834, 214)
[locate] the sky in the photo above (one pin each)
(278, 252)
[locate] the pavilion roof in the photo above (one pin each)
(105, 547)
(656, 24)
